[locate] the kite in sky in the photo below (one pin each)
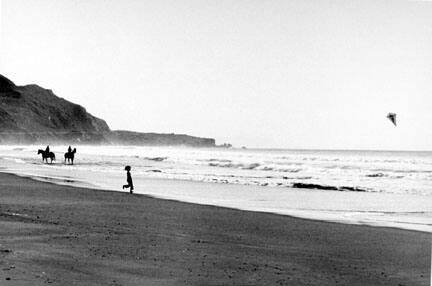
(392, 118)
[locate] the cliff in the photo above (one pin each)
(31, 114)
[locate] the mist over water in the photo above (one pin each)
(386, 180)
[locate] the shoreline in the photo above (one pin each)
(47, 181)
(65, 235)
(311, 214)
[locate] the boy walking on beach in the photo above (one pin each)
(128, 180)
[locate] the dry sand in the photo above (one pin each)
(59, 235)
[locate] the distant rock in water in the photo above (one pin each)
(314, 186)
(377, 175)
(327, 188)
(157, 159)
(31, 114)
(352, 189)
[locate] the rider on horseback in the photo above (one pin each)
(69, 156)
(47, 154)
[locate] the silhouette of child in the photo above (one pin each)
(128, 179)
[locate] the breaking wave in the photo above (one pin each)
(233, 165)
(254, 166)
(336, 170)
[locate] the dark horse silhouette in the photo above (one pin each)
(69, 156)
(46, 155)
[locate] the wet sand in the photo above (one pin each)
(60, 235)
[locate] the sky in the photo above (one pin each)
(257, 73)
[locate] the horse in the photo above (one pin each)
(46, 155)
(69, 156)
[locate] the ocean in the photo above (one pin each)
(384, 188)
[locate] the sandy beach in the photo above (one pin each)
(62, 235)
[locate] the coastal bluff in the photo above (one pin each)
(31, 114)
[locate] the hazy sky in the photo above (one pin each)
(267, 73)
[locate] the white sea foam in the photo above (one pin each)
(397, 185)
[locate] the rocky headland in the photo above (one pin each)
(31, 114)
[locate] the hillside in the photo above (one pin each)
(158, 139)
(31, 114)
